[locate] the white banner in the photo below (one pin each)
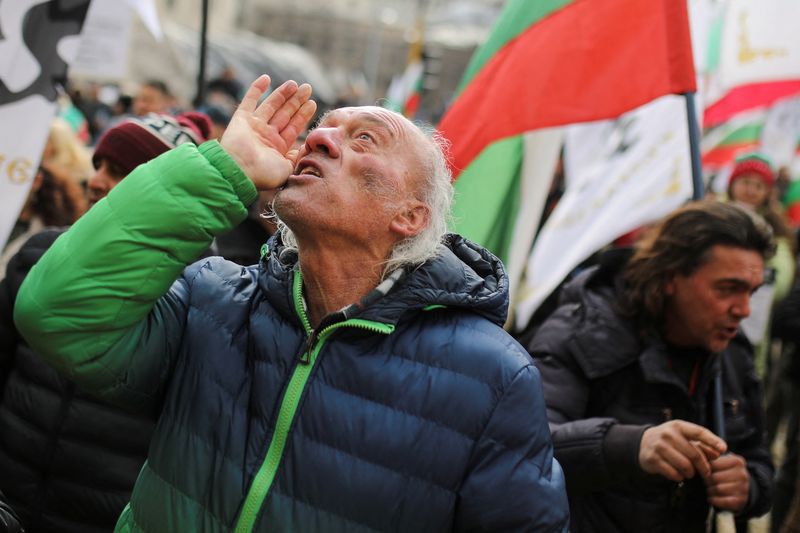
(20, 154)
(759, 42)
(539, 159)
(35, 38)
(621, 174)
(781, 132)
(146, 9)
(103, 51)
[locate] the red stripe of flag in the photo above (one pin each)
(747, 97)
(724, 155)
(590, 60)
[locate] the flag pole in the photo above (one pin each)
(200, 95)
(698, 188)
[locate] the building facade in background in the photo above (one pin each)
(362, 44)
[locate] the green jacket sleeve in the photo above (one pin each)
(97, 305)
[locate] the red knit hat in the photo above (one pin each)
(753, 163)
(138, 140)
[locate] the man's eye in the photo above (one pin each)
(365, 136)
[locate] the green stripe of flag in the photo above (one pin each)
(792, 193)
(515, 18)
(747, 133)
(487, 196)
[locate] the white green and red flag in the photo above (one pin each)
(546, 64)
(411, 104)
(754, 57)
(405, 90)
(736, 141)
(791, 199)
(792, 203)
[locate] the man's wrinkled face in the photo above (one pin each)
(705, 308)
(352, 174)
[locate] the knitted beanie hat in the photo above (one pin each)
(753, 163)
(138, 140)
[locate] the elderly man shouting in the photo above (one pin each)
(356, 379)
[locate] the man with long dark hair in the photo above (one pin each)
(629, 363)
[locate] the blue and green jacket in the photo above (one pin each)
(418, 414)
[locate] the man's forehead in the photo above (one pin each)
(395, 123)
(734, 263)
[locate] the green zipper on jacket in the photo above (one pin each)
(291, 399)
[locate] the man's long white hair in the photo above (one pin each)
(436, 192)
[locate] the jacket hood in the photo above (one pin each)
(27, 256)
(601, 339)
(462, 275)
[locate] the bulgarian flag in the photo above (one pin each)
(546, 64)
(791, 199)
(744, 138)
(404, 92)
(792, 202)
(415, 92)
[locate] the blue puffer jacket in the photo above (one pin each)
(418, 414)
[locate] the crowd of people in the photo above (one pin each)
(257, 326)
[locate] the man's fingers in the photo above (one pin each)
(703, 435)
(276, 99)
(723, 489)
(679, 461)
(284, 114)
(729, 461)
(254, 92)
(668, 471)
(727, 503)
(728, 487)
(699, 459)
(710, 453)
(298, 122)
(729, 469)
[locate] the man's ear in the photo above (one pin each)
(411, 219)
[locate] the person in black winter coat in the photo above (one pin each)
(629, 362)
(9, 523)
(68, 461)
(786, 326)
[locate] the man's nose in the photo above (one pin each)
(96, 182)
(741, 309)
(99, 184)
(325, 140)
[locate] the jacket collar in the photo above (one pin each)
(463, 275)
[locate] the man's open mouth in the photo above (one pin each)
(306, 168)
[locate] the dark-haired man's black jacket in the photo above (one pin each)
(9, 523)
(68, 461)
(604, 384)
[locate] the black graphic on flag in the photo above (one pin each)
(42, 27)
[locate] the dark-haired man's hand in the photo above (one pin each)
(678, 450)
(728, 486)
